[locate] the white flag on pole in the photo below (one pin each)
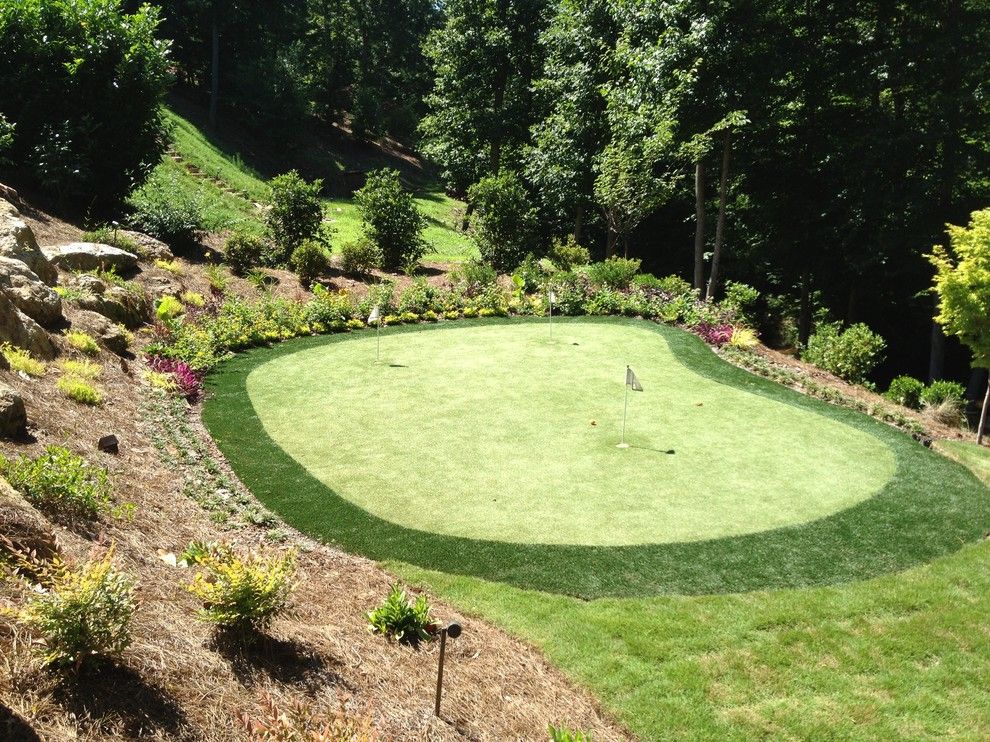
(553, 298)
(375, 315)
(631, 381)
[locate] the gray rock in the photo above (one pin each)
(89, 256)
(110, 334)
(129, 308)
(18, 329)
(150, 248)
(13, 418)
(32, 296)
(17, 242)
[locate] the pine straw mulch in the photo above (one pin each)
(177, 682)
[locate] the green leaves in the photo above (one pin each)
(404, 620)
(391, 219)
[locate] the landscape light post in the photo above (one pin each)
(454, 631)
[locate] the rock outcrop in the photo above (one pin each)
(111, 335)
(90, 256)
(17, 241)
(29, 293)
(150, 248)
(128, 307)
(13, 417)
(18, 329)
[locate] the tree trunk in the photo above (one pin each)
(983, 416)
(578, 223)
(723, 187)
(610, 240)
(215, 69)
(936, 358)
(804, 319)
(466, 221)
(699, 225)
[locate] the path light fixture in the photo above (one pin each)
(453, 630)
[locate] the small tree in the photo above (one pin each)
(391, 219)
(295, 214)
(506, 220)
(962, 283)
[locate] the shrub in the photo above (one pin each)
(164, 209)
(941, 390)
(169, 308)
(81, 613)
(567, 254)
(110, 235)
(949, 411)
(418, 297)
(243, 252)
(60, 481)
(390, 219)
(157, 380)
(193, 299)
(82, 342)
(615, 273)
(79, 390)
(604, 302)
(714, 334)
(170, 266)
(82, 369)
(218, 280)
(744, 337)
(21, 360)
(243, 594)
(906, 391)
(474, 275)
(184, 378)
(850, 354)
(740, 300)
(295, 213)
(562, 734)
(310, 261)
(402, 619)
(83, 82)
(304, 721)
(505, 226)
(675, 286)
(328, 308)
(360, 256)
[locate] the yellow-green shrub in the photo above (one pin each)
(169, 308)
(243, 593)
(21, 360)
(81, 613)
(79, 390)
(83, 342)
(82, 369)
(172, 266)
(193, 299)
(743, 337)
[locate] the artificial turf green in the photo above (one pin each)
(501, 432)
(928, 507)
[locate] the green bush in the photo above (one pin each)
(310, 260)
(740, 300)
(169, 307)
(243, 252)
(562, 734)
(474, 275)
(941, 391)
(418, 297)
(79, 390)
(82, 341)
(567, 254)
(164, 209)
(390, 219)
(84, 83)
(328, 309)
(506, 221)
(81, 613)
(59, 481)
(295, 214)
(402, 619)
(243, 593)
(360, 256)
(850, 354)
(615, 273)
(906, 391)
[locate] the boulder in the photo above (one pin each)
(18, 329)
(23, 530)
(17, 242)
(89, 256)
(129, 308)
(13, 417)
(29, 293)
(110, 334)
(150, 248)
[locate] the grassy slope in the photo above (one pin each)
(231, 201)
(725, 477)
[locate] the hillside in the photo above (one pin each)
(175, 681)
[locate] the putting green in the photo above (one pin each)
(470, 449)
(500, 432)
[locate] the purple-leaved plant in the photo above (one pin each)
(189, 382)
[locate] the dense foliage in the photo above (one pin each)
(82, 84)
(59, 481)
(390, 219)
(402, 619)
(295, 214)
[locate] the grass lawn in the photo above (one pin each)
(470, 450)
(230, 204)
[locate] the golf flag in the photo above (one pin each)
(375, 315)
(631, 381)
(553, 298)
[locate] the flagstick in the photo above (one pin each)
(378, 346)
(625, 408)
(551, 319)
